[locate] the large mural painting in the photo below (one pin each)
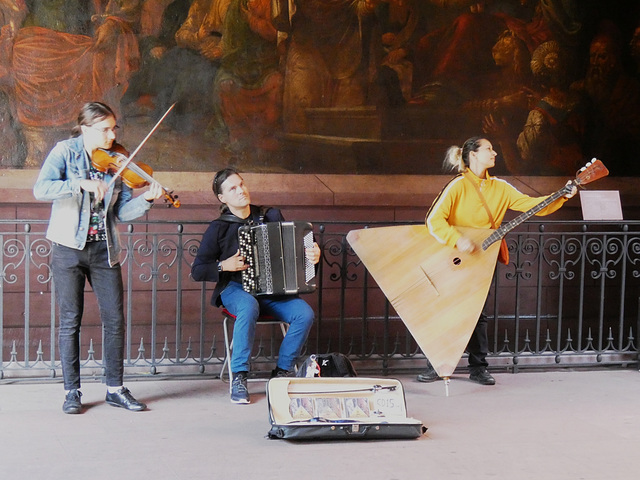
(328, 86)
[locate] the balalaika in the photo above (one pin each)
(275, 253)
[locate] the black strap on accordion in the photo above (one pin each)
(231, 218)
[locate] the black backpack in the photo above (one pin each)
(327, 365)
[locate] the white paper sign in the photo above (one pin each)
(601, 205)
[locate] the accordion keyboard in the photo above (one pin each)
(275, 253)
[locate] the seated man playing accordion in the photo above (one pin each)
(219, 260)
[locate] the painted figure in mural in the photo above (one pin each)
(510, 93)
(12, 14)
(329, 56)
(512, 57)
(553, 136)
(118, 17)
(398, 22)
(127, 10)
(551, 141)
(248, 87)
(69, 16)
(85, 246)
(191, 67)
(454, 64)
(160, 81)
(151, 17)
(53, 72)
(12, 152)
(219, 260)
(202, 30)
(559, 20)
(451, 62)
(614, 104)
(458, 205)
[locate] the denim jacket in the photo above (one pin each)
(59, 181)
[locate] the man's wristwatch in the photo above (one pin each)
(219, 267)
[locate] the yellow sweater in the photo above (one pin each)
(458, 204)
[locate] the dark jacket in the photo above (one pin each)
(219, 242)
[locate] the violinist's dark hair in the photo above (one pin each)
(91, 113)
(220, 178)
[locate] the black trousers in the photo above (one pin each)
(71, 268)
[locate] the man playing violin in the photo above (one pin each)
(87, 203)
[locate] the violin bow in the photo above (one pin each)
(128, 160)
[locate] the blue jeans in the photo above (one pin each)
(288, 308)
(71, 268)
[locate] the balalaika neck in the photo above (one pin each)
(507, 227)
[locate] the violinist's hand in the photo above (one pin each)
(155, 192)
(97, 187)
(313, 253)
(574, 190)
(465, 245)
(234, 263)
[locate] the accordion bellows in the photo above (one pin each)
(275, 253)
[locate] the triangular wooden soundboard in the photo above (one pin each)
(438, 291)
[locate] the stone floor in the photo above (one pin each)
(531, 425)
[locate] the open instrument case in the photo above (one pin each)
(339, 408)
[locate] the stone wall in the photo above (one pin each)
(315, 198)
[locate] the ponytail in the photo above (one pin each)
(453, 159)
(457, 158)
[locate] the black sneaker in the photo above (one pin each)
(483, 377)
(280, 372)
(239, 392)
(72, 403)
(428, 376)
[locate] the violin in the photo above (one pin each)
(135, 175)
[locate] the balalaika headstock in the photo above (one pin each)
(592, 171)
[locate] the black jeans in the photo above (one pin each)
(71, 268)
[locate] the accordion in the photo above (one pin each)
(275, 253)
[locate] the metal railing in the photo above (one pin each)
(570, 296)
